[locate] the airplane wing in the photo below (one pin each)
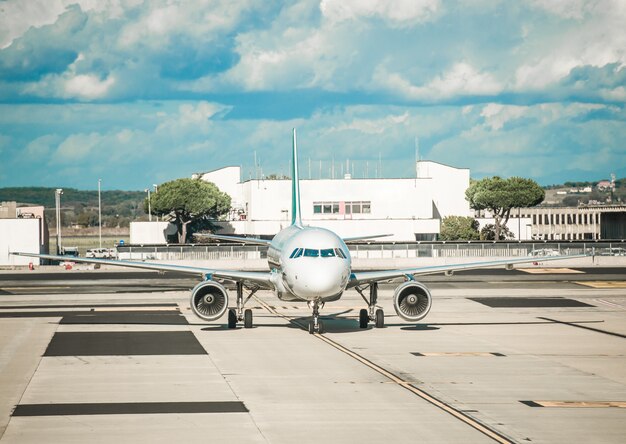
(243, 240)
(260, 279)
(358, 238)
(367, 277)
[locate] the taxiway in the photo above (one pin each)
(109, 356)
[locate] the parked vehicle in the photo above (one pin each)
(543, 252)
(101, 253)
(616, 251)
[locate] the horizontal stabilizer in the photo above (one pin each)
(242, 240)
(358, 238)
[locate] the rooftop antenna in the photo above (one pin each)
(380, 165)
(417, 159)
(256, 167)
(309, 168)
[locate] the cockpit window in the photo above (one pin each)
(311, 253)
(329, 252)
(296, 253)
(339, 252)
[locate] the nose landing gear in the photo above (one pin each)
(315, 325)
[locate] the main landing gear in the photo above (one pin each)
(377, 315)
(315, 325)
(239, 314)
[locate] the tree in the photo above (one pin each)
(459, 228)
(488, 232)
(188, 200)
(499, 196)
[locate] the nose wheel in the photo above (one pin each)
(315, 325)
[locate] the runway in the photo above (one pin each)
(504, 356)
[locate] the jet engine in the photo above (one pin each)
(209, 300)
(412, 301)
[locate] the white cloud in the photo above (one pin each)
(199, 19)
(77, 147)
(461, 80)
(87, 86)
(571, 9)
(597, 37)
(372, 126)
(397, 13)
(201, 112)
(18, 16)
(41, 146)
(497, 115)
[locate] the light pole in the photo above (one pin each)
(57, 199)
(99, 214)
(156, 189)
(147, 190)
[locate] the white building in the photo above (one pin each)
(409, 209)
(22, 229)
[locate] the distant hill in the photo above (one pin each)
(118, 207)
(572, 194)
(71, 197)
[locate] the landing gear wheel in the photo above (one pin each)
(311, 327)
(363, 318)
(380, 318)
(247, 318)
(320, 327)
(232, 318)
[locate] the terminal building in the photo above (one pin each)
(409, 209)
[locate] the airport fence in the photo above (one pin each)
(381, 250)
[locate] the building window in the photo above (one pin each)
(325, 207)
(356, 207)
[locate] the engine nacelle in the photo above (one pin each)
(412, 301)
(209, 300)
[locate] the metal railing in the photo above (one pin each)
(382, 250)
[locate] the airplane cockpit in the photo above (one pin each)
(311, 252)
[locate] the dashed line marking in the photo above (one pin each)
(457, 354)
(610, 304)
(551, 271)
(576, 404)
(602, 284)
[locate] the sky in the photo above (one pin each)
(141, 92)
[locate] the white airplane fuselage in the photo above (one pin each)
(309, 264)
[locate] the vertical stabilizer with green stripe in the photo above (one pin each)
(295, 186)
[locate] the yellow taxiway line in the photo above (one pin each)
(602, 284)
(551, 271)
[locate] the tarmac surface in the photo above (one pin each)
(534, 356)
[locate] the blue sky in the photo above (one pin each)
(141, 92)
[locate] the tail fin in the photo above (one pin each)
(295, 186)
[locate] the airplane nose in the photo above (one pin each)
(318, 282)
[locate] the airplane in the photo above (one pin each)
(306, 264)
